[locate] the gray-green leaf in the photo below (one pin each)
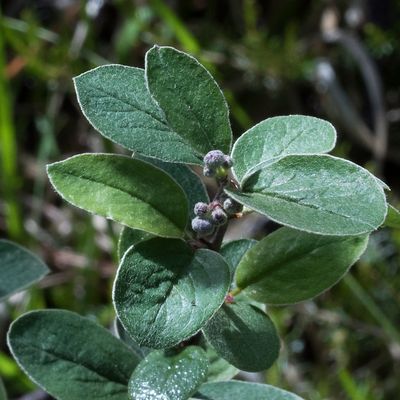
(219, 369)
(115, 100)
(193, 104)
(169, 377)
(243, 335)
(289, 266)
(234, 251)
(165, 291)
(278, 137)
(71, 357)
(392, 218)
(19, 268)
(129, 237)
(128, 191)
(316, 193)
(237, 390)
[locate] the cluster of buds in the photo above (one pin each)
(216, 164)
(215, 214)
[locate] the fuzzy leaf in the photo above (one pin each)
(19, 268)
(165, 292)
(129, 237)
(244, 336)
(115, 100)
(70, 356)
(234, 251)
(392, 218)
(169, 377)
(238, 390)
(289, 266)
(193, 104)
(316, 193)
(128, 191)
(278, 137)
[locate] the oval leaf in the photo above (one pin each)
(236, 390)
(19, 268)
(234, 251)
(243, 335)
(125, 190)
(129, 237)
(193, 104)
(278, 137)
(165, 292)
(289, 266)
(71, 357)
(169, 377)
(219, 369)
(316, 193)
(115, 100)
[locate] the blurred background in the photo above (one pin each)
(337, 60)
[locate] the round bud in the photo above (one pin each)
(209, 172)
(202, 226)
(219, 216)
(227, 162)
(201, 209)
(214, 158)
(232, 207)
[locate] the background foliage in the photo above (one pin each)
(334, 60)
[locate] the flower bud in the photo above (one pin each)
(202, 226)
(232, 207)
(214, 159)
(219, 216)
(201, 209)
(209, 172)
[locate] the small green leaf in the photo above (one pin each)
(392, 218)
(316, 193)
(219, 369)
(165, 291)
(289, 266)
(243, 335)
(237, 390)
(234, 251)
(70, 356)
(169, 377)
(115, 100)
(19, 268)
(189, 181)
(278, 137)
(128, 191)
(193, 104)
(3, 393)
(129, 237)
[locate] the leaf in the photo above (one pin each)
(392, 218)
(193, 104)
(278, 137)
(169, 377)
(237, 390)
(70, 356)
(244, 336)
(289, 266)
(165, 291)
(189, 181)
(19, 268)
(125, 190)
(140, 351)
(219, 369)
(234, 251)
(3, 393)
(129, 237)
(316, 193)
(115, 100)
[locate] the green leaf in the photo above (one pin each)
(278, 137)
(234, 251)
(219, 369)
(70, 356)
(244, 336)
(392, 218)
(140, 351)
(128, 191)
(129, 237)
(289, 266)
(316, 193)
(19, 268)
(165, 291)
(193, 104)
(115, 100)
(3, 393)
(189, 181)
(237, 390)
(169, 377)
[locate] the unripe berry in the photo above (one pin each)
(201, 209)
(202, 226)
(219, 216)
(232, 207)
